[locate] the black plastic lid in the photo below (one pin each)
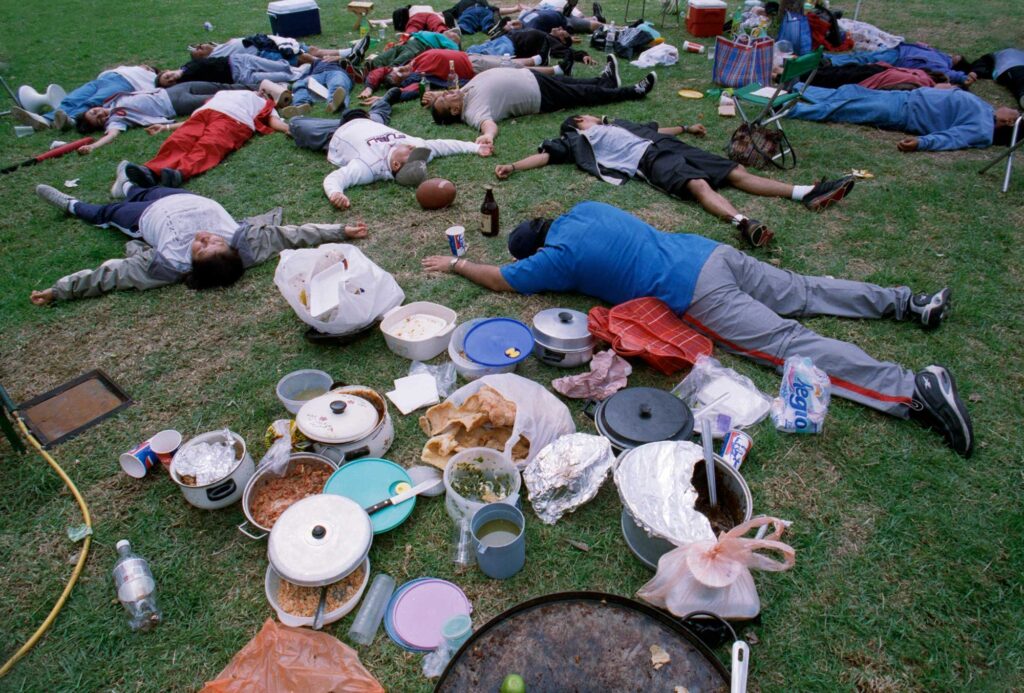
(639, 415)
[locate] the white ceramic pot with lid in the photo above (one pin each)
(562, 337)
(319, 540)
(347, 423)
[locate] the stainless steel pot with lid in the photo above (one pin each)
(319, 540)
(638, 415)
(562, 337)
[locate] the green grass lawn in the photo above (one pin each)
(908, 557)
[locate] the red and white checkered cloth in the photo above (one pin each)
(647, 327)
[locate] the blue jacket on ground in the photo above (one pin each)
(944, 119)
(909, 55)
(601, 251)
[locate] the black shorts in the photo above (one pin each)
(670, 165)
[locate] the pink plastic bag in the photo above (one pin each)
(715, 575)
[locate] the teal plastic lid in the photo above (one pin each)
(498, 342)
(370, 480)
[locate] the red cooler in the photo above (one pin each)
(705, 17)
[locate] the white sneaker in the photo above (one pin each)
(58, 199)
(37, 122)
(118, 190)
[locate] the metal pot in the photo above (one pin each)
(223, 492)
(562, 338)
(260, 477)
(638, 415)
(347, 423)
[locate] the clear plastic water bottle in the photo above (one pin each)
(371, 613)
(136, 588)
(506, 60)
(609, 38)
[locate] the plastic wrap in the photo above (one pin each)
(654, 482)
(280, 658)
(280, 450)
(803, 397)
(731, 400)
(207, 462)
(444, 375)
(567, 473)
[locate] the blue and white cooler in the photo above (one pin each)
(294, 18)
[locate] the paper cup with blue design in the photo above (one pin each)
(457, 240)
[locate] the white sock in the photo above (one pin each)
(737, 220)
(558, 70)
(800, 191)
(538, 61)
(71, 206)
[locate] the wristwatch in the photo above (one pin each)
(451, 263)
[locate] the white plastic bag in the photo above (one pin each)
(662, 54)
(729, 399)
(280, 451)
(803, 397)
(540, 416)
(715, 575)
(365, 293)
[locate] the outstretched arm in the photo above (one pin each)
(487, 276)
(504, 171)
(336, 182)
(278, 125)
(488, 131)
(450, 147)
(697, 130)
(108, 137)
(267, 240)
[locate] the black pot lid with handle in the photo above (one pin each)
(639, 415)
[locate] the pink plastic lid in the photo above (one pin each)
(420, 612)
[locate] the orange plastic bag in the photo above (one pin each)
(280, 658)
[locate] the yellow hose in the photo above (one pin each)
(30, 643)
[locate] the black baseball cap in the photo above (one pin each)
(527, 238)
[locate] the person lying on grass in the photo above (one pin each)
(506, 93)
(179, 236)
(365, 149)
(912, 55)
(151, 109)
(121, 79)
(1006, 67)
(222, 125)
(942, 119)
(744, 305)
(266, 46)
(617, 150)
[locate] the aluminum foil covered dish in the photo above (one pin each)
(654, 482)
(567, 473)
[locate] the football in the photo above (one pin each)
(435, 193)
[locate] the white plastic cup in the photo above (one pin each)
(23, 130)
(457, 240)
(693, 47)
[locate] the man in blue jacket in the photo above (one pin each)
(746, 306)
(912, 55)
(943, 119)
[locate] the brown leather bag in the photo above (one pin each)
(756, 146)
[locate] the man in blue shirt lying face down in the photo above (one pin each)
(745, 305)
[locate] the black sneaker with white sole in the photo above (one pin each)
(756, 232)
(930, 309)
(599, 13)
(359, 50)
(140, 175)
(566, 66)
(646, 85)
(827, 192)
(610, 74)
(937, 405)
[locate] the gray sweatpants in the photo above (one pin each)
(745, 306)
(250, 70)
(316, 133)
(186, 97)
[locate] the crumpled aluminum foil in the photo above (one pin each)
(654, 482)
(567, 473)
(207, 462)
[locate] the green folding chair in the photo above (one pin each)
(775, 107)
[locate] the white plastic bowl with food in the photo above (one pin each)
(302, 601)
(418, 331)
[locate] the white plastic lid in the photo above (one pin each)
(337, 417)
(123, 542)
(718, 4)
(290, 6)
(319, 540)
